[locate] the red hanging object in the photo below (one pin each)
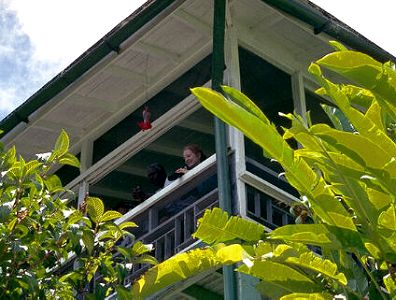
(146, 124)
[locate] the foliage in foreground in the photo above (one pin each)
(50, 250)
(347, 181)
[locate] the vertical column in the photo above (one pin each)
(86, 155)
(85, 162)
(224, 187)
(299, 94)
(244, 284)
(235, 135)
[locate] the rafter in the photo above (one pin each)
(122, 72)
(193, 22)
(158, 52)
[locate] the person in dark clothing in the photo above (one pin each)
(157, 175)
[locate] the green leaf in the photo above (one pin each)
(175, 269)
(298, 173)
(272, 290)
(313, 234)
(53, 183)
(373, 249)
(31, 167)
(231, 254)
(127, 224)
(253, 127)
(111, 215)
(125, 251)
(244, 101)
(145, 259)
(95, 209)
(390, 285)
(357, 147)
(379, 199)
(139, 248)
(61, 145)
(69, 159)
(123, 293)
(278, 274)
(89, 240)
(338, 46)
(325, 267)
(311, 296)
(23, 230)
(216, 227)
(387, 219)
(11, 225)
(366, 72)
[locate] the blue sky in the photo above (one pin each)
(40, 38)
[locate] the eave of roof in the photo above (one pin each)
(322, 21)
(303, 10)
(109, 43)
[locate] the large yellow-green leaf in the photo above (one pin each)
(254, 128)
(390, 285)
(357, 147)
(320, 235)
(305, 296)
(321, 266)
(375, 115)
(367, 72)
(313, 234)
(281, 275)
(241, 99)
(183, 266)
(272, 290)
(364, 124)
(328, 207)
(297, 172)
(300, 132)
(217, 226)
(378, 198)
(387, 219)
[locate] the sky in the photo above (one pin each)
(40, 38)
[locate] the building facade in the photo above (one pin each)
(151, 59)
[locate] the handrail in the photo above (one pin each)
(157, 197)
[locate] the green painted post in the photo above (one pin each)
(223, 173)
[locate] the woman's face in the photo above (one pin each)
(190, 158)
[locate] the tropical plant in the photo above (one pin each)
(346, 176)
(50, 250)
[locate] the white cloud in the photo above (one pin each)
(40, 38)
(62, 30)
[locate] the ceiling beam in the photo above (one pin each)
(103, 192)
(52, 126)
(122, 72)
(158, 52)
(84, 101)
(193, 22)
(139, 171)
(202, 127)
(165, 149)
